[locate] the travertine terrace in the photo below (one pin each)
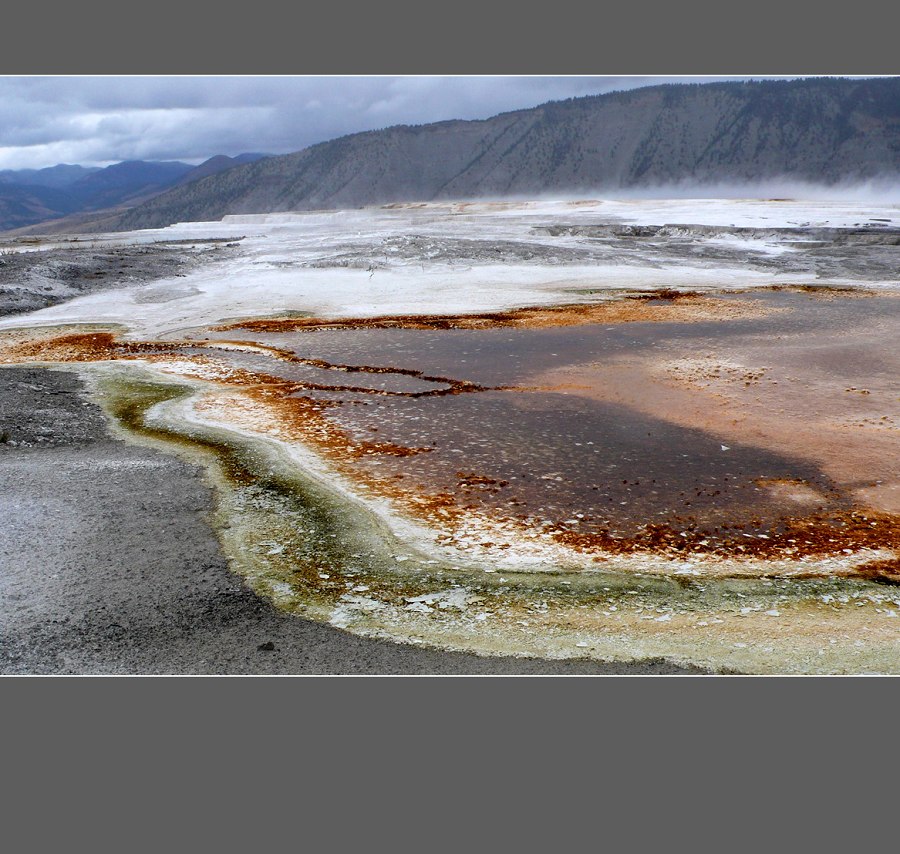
(613, 430)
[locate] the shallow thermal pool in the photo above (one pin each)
(718, 489)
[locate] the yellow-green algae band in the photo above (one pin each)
(319, 552)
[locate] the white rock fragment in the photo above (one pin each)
(274, 548)
(346, 611)
(281, 589)
(456, 598)
(419, 607)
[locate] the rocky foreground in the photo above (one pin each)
(31, 280)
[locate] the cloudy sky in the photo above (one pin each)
(102, 120)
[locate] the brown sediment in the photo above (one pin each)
(659, 306)
(665, 294)
(274, 405)
(881, 571)
(827, 291)
(811, 536)
(79, 347)
(793, 490)
(268, 409)
(392, 449)
(106, 346)
(285, 355)
(277, 406)
(778, 405)
(291, 414)
(815, 535)
(772, 393)
(473, 480)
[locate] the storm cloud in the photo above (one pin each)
(103, 120)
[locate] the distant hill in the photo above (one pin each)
(821, 130)
(130, 180)
(249, 157)
(217, 164)
(25, 205)
(60, 176)
(32, 196)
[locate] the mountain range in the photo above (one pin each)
(30, 196)
(819, 130)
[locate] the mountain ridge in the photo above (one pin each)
(30, 197)
(823, 130)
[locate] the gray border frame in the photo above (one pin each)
(93, 756)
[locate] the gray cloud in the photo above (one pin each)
(99, 120)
